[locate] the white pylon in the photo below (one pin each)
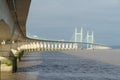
(90, 39)
(78, 34)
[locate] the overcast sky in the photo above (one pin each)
(57, 19)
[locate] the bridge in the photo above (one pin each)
(13, 40)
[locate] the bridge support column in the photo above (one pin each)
(45, 46)
(38, 46)
(59, 46)
(70, 46)
(52, 46)
(75, 46)
(3, 42)
(55, 46)
(66, 46)
(48, 45)
(31, 46)
(63, 46)
(41, 46)
(28, 45)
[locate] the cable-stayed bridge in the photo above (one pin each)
(85, 40)
(14, 42)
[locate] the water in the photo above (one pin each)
(58, 65)
(116, 47)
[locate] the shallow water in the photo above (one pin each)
(58, 65)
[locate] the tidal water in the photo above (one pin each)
(58, 65)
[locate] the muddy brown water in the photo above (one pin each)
(62, 65)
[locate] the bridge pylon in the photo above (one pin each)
(90, 39)
(79, 36)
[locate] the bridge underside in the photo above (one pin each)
(13, 17)
(4, 30)
(19, 10)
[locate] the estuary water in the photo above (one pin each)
(63, 65)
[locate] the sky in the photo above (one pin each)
(57, 19)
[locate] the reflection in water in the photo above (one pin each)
(56, 65)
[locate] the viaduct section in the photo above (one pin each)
(13, 40)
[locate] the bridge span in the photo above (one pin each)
(13, 40)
